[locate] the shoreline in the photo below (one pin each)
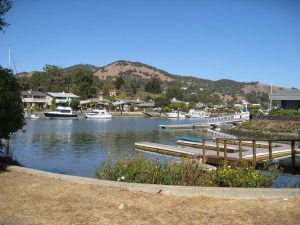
(186, 191)
(34, 198)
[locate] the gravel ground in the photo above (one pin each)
(31, 199)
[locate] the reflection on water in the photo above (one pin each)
(77, 146)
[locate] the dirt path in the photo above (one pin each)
(31, 199)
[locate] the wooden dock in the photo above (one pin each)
(218, 151)
(208, 145)
(206, 123)
(168, 149)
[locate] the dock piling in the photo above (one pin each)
(254, 152)
(293, 156)
(225, 150)
(270, 150)
(240, 150)
(203, 151)
(218, 147)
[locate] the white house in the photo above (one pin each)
(61, 98)
(32, 98)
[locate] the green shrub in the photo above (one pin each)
(37, 108)
(185, 172)
(284, 112)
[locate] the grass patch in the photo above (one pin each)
(185, 172)
(266, 129)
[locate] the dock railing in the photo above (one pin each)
(254, 144)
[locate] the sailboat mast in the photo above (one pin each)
(271, 99)
(9, 57)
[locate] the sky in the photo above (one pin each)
(243, 40)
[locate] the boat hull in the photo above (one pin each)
(98, 116)
(54, 115)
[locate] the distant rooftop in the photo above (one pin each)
(146, 104)
(33, 93)
(286, 94)
(62, 95)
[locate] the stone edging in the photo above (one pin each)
(187, 191)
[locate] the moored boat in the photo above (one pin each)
(33, 116)
(98, 114)
(193, 113)
(175, 114)
(61, 112)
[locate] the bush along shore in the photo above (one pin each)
(186, 172)
(266, 129)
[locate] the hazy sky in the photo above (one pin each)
(254, 40)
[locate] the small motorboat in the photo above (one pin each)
(33, 116)
(175, 114)
(193, 113)
(98, 114)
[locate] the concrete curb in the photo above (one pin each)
(187, 191)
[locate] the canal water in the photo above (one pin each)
(77, 146)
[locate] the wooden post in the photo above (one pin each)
(293, 158)
(240, 150)
(225, 151)
(218, 147)
(203, 151)
(254, 153)
(270, 151)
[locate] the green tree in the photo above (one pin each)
(53, 79)
(53, 104)
(83, 80)
(119, 82)
(11, 110)
(153, 86)
(162, 101)
(75, 104)
(174, 92)
(5, 5)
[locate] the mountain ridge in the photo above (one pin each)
(140, 70)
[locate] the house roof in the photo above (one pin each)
(146, 104)
(62, 95)
(287, 94)
(33, 93)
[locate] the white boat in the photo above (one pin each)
(193, 113)
(98, 114)
(61, 112)
(33, 116)
(243, 114)
(175, 114)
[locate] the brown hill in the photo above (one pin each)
(259, 87)
(127, 68)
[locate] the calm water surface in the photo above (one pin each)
(77, 146)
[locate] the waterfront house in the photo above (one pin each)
(146, 106)
(61, 98)
(31, 99)
(124, 105)
(287, 98)
(98, 103)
